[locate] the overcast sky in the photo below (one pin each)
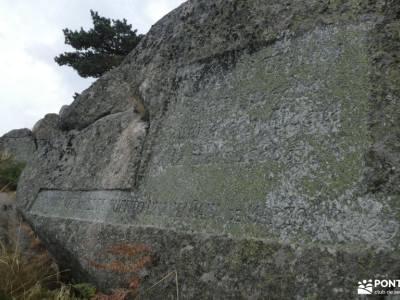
(31, 83)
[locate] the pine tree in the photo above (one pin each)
(99, 49)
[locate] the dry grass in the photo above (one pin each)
(5, 156)
(39, 278)
(36, 279)
(24, 275)
(28, 280)
(28, 272)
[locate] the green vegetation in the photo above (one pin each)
(10, 171)
(99, 49)
(84, 290)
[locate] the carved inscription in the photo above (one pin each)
(284, 217)
(97, 203)
(83, 202)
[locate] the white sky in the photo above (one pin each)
(31, 83)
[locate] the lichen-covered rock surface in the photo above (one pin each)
(248, 148)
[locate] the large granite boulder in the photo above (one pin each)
(250, 148)
(20, 143)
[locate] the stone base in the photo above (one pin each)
(211, 267)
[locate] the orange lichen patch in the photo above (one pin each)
(129, 250)
(120, 267)
(140, 255)
(118, 294)
(145, 261)
(35, 243)
(114, 266)
(134, 283)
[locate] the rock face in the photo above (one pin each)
(20, 143)
(250, 146)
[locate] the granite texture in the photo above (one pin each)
(249, 146)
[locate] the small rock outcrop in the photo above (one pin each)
(20, 143)
(248, 147)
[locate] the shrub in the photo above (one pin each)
(10, 171)
(84, 290)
